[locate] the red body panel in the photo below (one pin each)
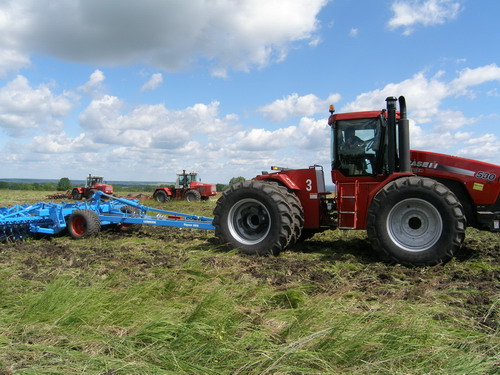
(481, 180)
(309, 185)
(355, 194)
(105, 188)
(206, 190)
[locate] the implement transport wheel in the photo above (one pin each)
(416, 221)
(255, 217)
(76, 195)
(192, 196)
(161, 196)
(83, 223)
(125, 227)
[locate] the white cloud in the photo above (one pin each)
(297, 106)
(409, 13)
(12, 61)
(485, 147)
(427, 94)
(230, 35)
(473, 77)
(151, 126)
(353, 32)
(24, 108)
(94, 85)
(153, 83)
(433, 127)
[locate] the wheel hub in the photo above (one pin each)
(414, 224)
(249, 221)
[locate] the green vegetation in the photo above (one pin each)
(235, 180)
(64, 184)
(170, 301)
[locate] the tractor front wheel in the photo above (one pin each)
(416, 221)
(254, 217)
(83, 223)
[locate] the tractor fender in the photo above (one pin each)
(282, 179)
(166, 190)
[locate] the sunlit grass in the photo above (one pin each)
(170, 301)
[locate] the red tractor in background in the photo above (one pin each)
(93, 184)
(415, 205)
(187, 186)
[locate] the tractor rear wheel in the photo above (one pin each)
(416, 221)
(254, 217)
(83, 223)
(161, 196)
(192, 196)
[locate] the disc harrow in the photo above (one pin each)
(21, 221)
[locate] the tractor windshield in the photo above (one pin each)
(92, 180)
(355, 146)
(186, 179)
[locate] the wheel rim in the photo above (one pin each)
(414, 224)
(249, 221)
(190, 197)
(79, 225)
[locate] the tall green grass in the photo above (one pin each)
(168, 301)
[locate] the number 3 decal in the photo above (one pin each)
(309, 184)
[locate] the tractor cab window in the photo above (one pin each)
(355, 145)
(186, 179)
(91, 181)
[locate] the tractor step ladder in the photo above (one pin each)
(348, 205)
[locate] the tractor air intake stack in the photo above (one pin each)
(404, 137)
(391, 113)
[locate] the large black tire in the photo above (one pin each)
(127, 228)
(297, 215)
(76, 195)
(161, 196)
(416, 221)
(91, 193)
(192, 196)
(254, 217)
(83, 223)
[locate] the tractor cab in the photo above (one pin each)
(93, 180)
(184, 179)
(358, 144)
(368, 146)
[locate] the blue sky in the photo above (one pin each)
(139, 90)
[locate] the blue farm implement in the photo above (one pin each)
(85, 219)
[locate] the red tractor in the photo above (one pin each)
(187, 186)
(415, 205)
(92, 184)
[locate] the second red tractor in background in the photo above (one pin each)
(187, 186)
(93, 184)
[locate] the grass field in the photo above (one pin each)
(170, 301)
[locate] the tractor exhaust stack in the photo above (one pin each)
(404, 137)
